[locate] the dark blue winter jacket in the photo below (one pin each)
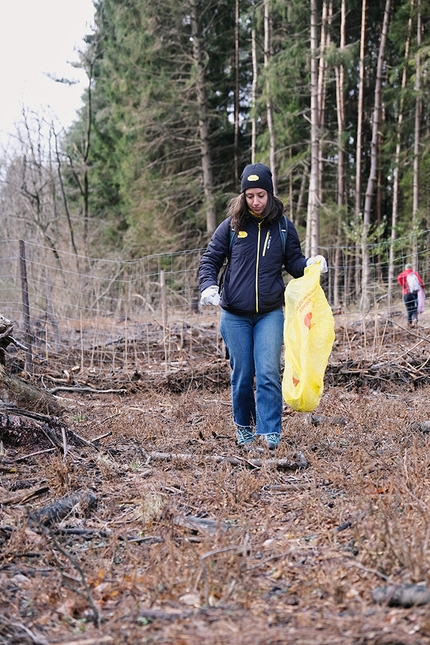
(253, 281)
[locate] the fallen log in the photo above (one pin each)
(280, 464)
(59, 509)
(406, 595)
(15, 391)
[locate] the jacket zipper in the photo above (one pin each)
(257, 266)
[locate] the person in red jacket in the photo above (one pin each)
(411, 283)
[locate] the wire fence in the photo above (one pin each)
(107, 315)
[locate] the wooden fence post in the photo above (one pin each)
(163, 299)
(26, 309)
(166, 340)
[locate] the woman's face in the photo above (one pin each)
(256, 199)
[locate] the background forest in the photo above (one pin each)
(333, 95)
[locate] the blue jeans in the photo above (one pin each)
(254, 343)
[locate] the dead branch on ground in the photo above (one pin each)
(280, 464)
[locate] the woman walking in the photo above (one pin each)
(258, 241)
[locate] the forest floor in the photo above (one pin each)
(154, 527)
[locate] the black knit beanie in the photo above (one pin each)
(257, 175)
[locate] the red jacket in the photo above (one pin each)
(402, 279)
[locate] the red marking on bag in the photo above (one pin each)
(308, 320)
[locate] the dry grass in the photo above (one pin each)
(283, 557)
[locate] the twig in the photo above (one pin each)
(37, 640)
(96, 533)
(160, 614)
(102, 436)
(54, 390)
(276, 556)
(90, 444)
(11, 408)
(248, 461)
(51, 438)
(224, 549)
(100, 640)
(22, 497)
(146, 538)
(112, 416)
(63, 434)
(34, 454)
(18, 344)
(352, 563)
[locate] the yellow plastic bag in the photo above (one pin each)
(308, 340)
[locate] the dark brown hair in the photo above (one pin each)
(238, 210)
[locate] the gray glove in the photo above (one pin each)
(318, 259)
(210, 296)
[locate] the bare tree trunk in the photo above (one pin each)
(236, 91)
(205, 150)
(290, 189)
(373, 162)
(394, 215)
(340, 111)
(360, 113)
(33, 187)
(417, 127)
(81, 176)
(359, 141)
(254, 93)
(312, 227)
(269, 104)
(322, 78)
(87, 144)
(303, 183)
(65, 200)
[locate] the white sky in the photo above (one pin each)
(40, 37)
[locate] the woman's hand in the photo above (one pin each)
(320, 259)
(210, 296)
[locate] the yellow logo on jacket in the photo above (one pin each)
(242, 234)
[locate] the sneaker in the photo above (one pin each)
(272, 440)
(244, 435)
